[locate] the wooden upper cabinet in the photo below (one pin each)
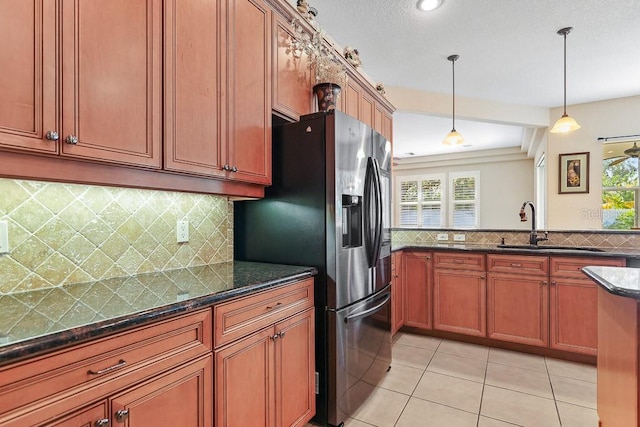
(367, 109)
(112, 81)
(387, 125)
(28, 53)
(291, 79)
(248, 100)
(351, 95)
(192, 86)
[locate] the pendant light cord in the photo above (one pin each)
(453, 74)
(565, 74)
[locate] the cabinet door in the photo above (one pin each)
(295, 399)
(518, 309)
(367, 109)
(416, 277)
(459, 301)
(249, 93)
(574, 315)
(111, 80)
(397, 293)
(28, 84)
(181, 397)
(291, 73)
(192, 131)
(351, 96)
(244, 382)
(387, 126)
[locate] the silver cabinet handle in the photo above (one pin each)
(52, 135)
(281, 334)
(274, 337)
(102, 423)
(71, 139)
(121, 364)
(122, 415)
(271, 307)
(226, 167)
(234, 169)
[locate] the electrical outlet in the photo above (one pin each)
(4, 237)
(182, 231)
(458, 237)
(442, 236)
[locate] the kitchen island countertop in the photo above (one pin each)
(44, 320)
(616, 280)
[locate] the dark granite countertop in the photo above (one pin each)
(621, 281)
(539, 250)
(44, 320)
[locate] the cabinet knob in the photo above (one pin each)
(544, 282)
(71, 139)
(274, 337)
(102, 423)
(122, 415)
(52, 135)
(281, 334)
(234, 169)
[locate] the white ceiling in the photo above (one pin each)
(509, 50)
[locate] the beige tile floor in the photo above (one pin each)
(442, 383)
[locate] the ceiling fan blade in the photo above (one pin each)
(620, 160)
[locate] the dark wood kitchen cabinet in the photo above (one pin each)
(518, 299)
(265, 354)
(152, 374)
(574, 303)
(459, 293)
(416, 278)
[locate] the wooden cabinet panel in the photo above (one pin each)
(518, 264)
(192, 85)
(387, 125)
(378, 122)
(367, 109)
(518, 308)
(62, 414)
(291, 78)
(181, 397)
(397, 292)
(28, 53)
(351, 96)
(416, 277)
(111, 80)
(572, 266)
(295, 399)
(83, 418)
(248, 41)
(115, 361)
(459, 301)
(459, 260)
(574, 319)
(240, 317)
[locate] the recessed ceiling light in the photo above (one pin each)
(427, 5)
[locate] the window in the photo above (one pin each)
(463, 201)
(620, 193)
(421, 201)
(424, 201)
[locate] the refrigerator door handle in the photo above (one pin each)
(369, 187)
(378, 186)
(369, 311)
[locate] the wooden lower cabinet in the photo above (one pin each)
(518, 308)
(416, 278)
(268, 377)
(181, 397)
(459, 301)
(397, 293)
(96, 415)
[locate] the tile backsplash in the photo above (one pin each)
(69, 233)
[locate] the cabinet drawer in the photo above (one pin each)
(572, 266)
(538, 265)
(107, 364)
(240, 317)
(458, 260)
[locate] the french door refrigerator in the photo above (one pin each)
(329, 207)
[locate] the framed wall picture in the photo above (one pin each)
(573, 173)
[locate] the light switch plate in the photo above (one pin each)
(4, 237)
(442, 236)
(458, 237)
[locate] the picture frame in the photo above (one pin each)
(573, 173)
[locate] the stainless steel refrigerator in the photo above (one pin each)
(329, 207)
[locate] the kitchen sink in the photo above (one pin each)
(550, 248)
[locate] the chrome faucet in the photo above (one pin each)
(533, 237)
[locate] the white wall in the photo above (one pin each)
(504, 185)
(598, 119)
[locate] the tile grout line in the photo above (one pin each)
(553, 393)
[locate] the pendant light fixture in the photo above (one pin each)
(453, 138)
(565, 123)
